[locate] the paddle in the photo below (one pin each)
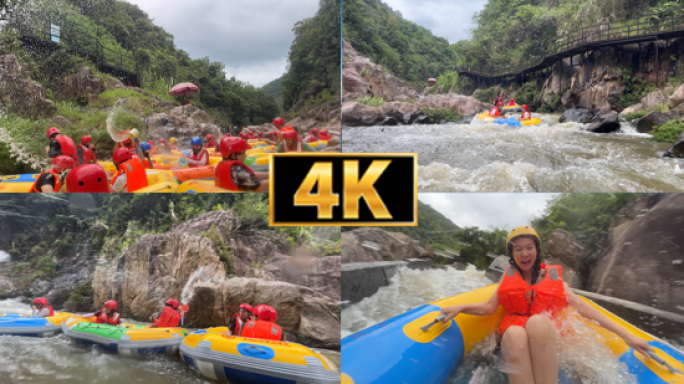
(435, 321)
(660, 361)
(184, 308)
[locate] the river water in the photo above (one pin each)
(411, 288)
(550, 157)
(58, 360)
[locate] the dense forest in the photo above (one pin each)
(405, 49)
(275, 90)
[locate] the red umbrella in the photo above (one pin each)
(432, 79)
(183, 89)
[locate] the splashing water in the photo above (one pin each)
(4, 257)
(19, 152)
(550, 157)
(203, 276)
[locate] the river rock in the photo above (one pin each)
(355, 114)
(631, 109)
(643, 262)
(578, 115)
(380, 246)
(648, 122)
(184, 122)
(27, 97)
(321, 274)
(677, 97)
(83, 83)
(653, 99)
(402, 112)
(607, 123)
(354, 83)
(60, 121)
(677, 149)
(561, 245)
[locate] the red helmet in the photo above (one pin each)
(162, 141)
(40, 300)
(499, 104)
(247, 307)
(150, 142)
(525, 107)
(230, 145)
(51, 131)
(173, 302)
(111, 304)
(121, 155)
(261, 134)
(243, 135)
(324, 131)
(314, 131)
(62, 163)
(210, 137)
(290, 134)
(273, 133)
(267, 313)
(87, 178)
(278, 122)
(86, 139)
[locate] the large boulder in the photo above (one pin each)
(601, 121)
(643, 259)
(631, 109)
(184, 122)
(83, 83)
(677, 149)
(607, 123)
(25, 96)
(561, 245)
(355, 114)
(653, 99)
(321, 274)
(375, 244)
(648, 122)
(353, 82)
(578, 115)
(402, 112)
(677, 97)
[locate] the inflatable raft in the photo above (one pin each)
(128, 340)
(511, 121)
(27, 325)
(255, 361)
(398, 351)
(512, 108)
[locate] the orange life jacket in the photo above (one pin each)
(222, 174)
(520, 300)
(298, 149)
(58, 186)
(198, 157)
(526, 115)
(104, 319)
(136, 177)
(238, 324)
(494, 113)
(262, 330)
(169, 318)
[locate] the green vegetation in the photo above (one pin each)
(313, 77)
(635, 88)
(222, 248)
(448, 81)
(668, 132)
(487, 95)
(436, 115)
(371, 101)
(404, 49)
(636, 115)
(274, 89)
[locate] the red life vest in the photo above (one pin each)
(211, 144)
(58, 186)
(88, 155)
(52, 313)
(526, 115)
(238, 324)
(511, 103)
(312, 139)
(520, 300)
(198, 157)
(298, 149)
(67, 146)
(251, 136)
(262, 330)
(494, 113)
(104, 319)
(169, 318)
(136, 177)
(222, 174)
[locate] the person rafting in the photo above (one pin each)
(128, 144)
(210, 142)
(497, 111)
(498, 99)
(86, 151)
(238, 320)
(232, 173)
(145, 155)
(512, 103)
(172, 143)
(312, 137)
(533, 300)
(108, 314)
(40, 308)
(272, 137)
(87, 178)
(264, 327)
(526, 115)
(163, 147)
(52, 180)
(251, 135)
(260, 135)
(169, 317)
(199, 155)
(291, 143)
(324, 135)
(131, 175)
(153, 150)
(60, 145)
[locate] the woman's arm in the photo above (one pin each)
(589, 312)
(480, 309)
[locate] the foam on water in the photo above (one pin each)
(550, 157)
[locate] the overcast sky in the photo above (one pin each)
(489, 210)
(451, 19)
(251, 37)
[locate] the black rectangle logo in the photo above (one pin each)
(344, 189)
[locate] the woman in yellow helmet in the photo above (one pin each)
(532, 295)
(172, 143)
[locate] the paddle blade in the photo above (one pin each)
(185, 308)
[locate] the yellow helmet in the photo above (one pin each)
(172, 140)
(519, 231)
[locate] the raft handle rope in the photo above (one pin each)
(435, 321)
(660, 360)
